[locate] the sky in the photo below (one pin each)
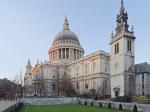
(28, 27)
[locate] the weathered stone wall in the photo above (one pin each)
(127, 106)
(49, 101)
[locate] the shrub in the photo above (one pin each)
(122, 99)
(85, 95)
(140, 99)
(79, 102)
(109, 105)
(120, 107)
(135, 108)
(91, 103)
(100, 104)
(85, 103)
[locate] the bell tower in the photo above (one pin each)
(122, 56)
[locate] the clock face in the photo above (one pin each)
(116, 66)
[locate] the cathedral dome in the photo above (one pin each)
(66, 33)
(66, 46)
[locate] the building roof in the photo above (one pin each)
(142, 68)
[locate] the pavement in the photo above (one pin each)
(6, 104)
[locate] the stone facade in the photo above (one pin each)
(91, 72)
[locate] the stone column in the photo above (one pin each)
(76, 54)
(52, 55)
(61, 53)
(65, 53)
(70, 53)
(80, 54)
(57, 53)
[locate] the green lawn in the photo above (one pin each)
(69, 108)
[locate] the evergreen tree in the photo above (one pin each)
(135, 108)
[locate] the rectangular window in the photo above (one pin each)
(129, 45)
(143, 84)
(116, 48)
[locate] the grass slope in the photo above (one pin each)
(69, 108)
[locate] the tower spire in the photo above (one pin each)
(122, 20)
(66, 24)
(122, 9)
(29, 64)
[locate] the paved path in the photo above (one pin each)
(6, 104)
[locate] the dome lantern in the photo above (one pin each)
(66, 24)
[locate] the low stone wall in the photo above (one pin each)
(49, 101)
(127, 106)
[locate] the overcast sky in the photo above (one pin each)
(28, 27)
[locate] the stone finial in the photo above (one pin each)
(112, 34)
(132, 29)
(122, 9)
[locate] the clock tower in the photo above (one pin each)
(122, 56)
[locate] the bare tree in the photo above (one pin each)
(39, 83)
(66, 85)
(8, 89)
(19, 81)
(57, 82)
(102, 90)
